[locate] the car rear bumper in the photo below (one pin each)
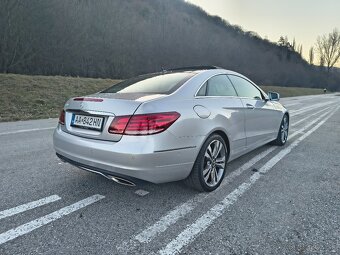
(132, 156)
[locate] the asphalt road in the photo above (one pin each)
(274, 200)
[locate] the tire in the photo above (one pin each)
(282, 134)
(209, 169)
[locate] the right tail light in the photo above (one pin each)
(143, 124)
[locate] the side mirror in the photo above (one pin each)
(273, 96)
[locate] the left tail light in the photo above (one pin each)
(143, 124)
(62, 117)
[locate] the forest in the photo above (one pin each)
(118, 39)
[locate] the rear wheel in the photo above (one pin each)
(209, 168)
(282, 135)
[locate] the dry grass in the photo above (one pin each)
(292, 91)
(25, 97)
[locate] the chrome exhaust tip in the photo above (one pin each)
(121, 181)
(116, 179)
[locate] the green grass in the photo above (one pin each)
(24, 97)
(292, 91)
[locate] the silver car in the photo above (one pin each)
(180, 124)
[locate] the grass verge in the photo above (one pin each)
(292, 91)
(24, 97)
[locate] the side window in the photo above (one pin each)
(218, 85)
(244, 88)
(203, 90)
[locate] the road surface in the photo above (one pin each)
(274, 200)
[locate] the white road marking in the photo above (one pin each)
(311, 115)
(141, 192)
(202, 223)
(180, 211)
(37, 223)
(303, 107)
(28, 206)
(289, 105)
(26, 130)
(309, 108)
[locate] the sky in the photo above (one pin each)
(303, 20)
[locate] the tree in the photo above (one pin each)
(283, 42)
(311, 55)
(294, 45)
(17, 44)
(300, 50)
(322, 63)
(328, 47)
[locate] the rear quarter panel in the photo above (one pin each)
(190, 130)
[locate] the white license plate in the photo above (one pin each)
(89, 122)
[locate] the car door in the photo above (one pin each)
(260, 114)
(219, 96)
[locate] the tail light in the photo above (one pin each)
(143, 124)
(62, 117)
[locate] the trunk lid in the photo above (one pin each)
(101, 107)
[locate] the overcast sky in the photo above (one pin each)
(303, 20)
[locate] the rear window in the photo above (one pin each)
(164, 83)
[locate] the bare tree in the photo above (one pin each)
(328, 47)
(311, 56)
(294, 45)
(300, 50)
(16, 46)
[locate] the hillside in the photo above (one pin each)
(119, 39)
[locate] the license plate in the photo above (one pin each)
(89, 122)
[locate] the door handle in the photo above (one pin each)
(250, 106)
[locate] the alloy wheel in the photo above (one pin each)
(284, 129)
(214, 163)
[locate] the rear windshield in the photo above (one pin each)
(164, 83)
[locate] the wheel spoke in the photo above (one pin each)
(206, 171)
(214, 150)
(209, 154)
(212, 177)
(220, 162)
(216, 176)
(208, 174)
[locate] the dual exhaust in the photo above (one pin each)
(116, 179)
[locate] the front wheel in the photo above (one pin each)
(282, 135)
(209, 168)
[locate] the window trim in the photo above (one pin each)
(196, 96)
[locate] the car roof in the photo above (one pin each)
(197, 70)
(200, 69)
